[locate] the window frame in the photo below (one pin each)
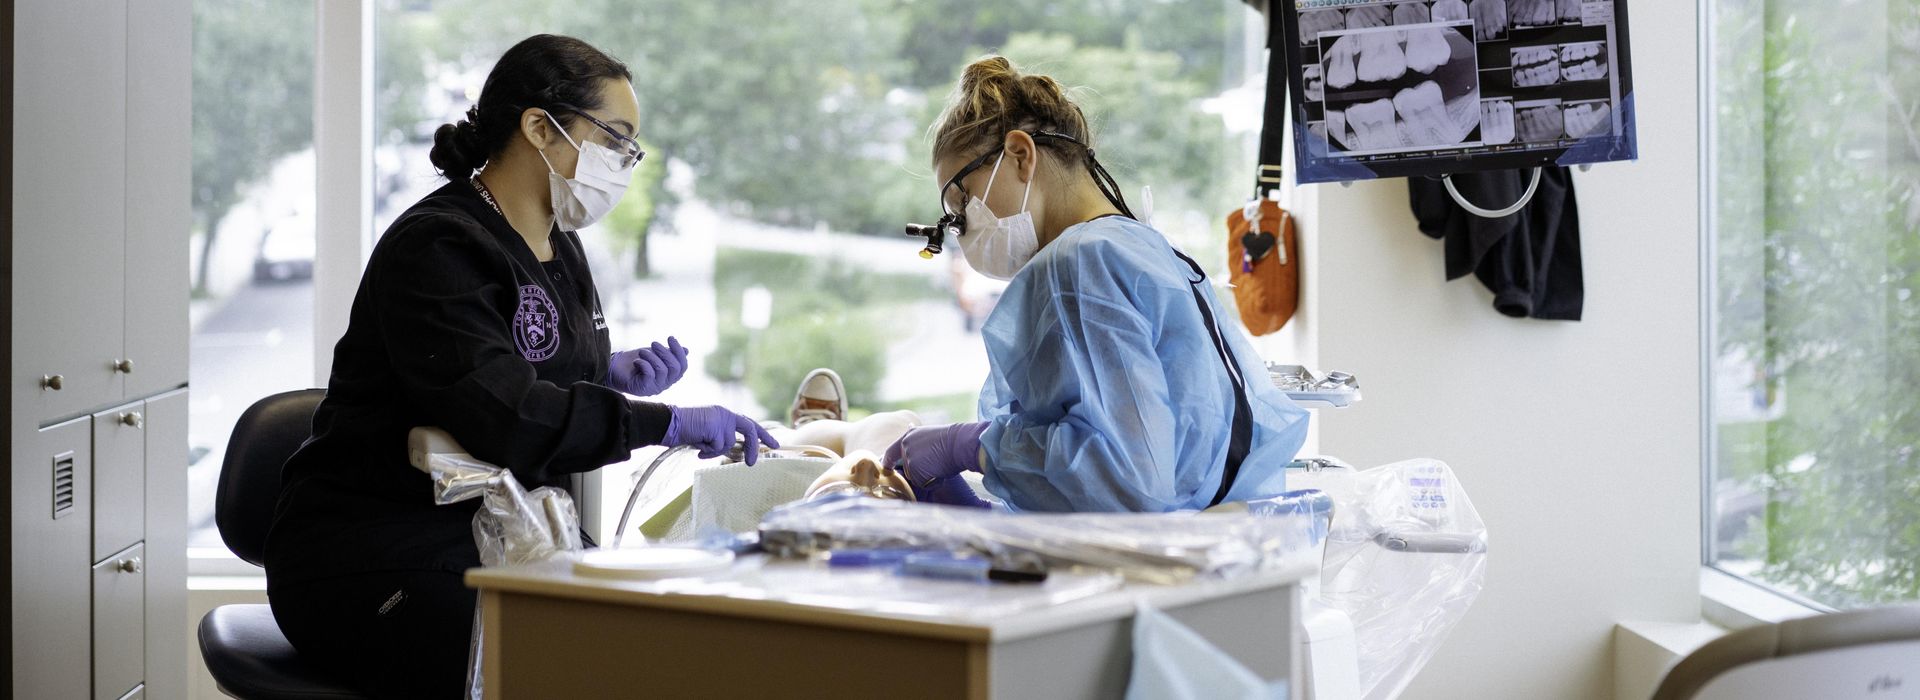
(1727, 599)
(343, 205)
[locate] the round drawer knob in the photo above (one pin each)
(132, 565)
(132, 419)
(52, 382)
(123, 366)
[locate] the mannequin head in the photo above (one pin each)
(861, 472)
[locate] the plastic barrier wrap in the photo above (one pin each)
(1172, 662)
(1405, 558)
(1161, 548)
(512, 526)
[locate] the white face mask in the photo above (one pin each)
(994, 246)
(597, 184)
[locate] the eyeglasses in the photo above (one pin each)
(628, 149)
(953, 219)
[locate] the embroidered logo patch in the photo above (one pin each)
(536, 324)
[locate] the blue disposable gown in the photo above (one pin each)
(1105, 391)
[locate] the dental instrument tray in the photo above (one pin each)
(1337, 389)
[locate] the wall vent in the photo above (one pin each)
(62, 484)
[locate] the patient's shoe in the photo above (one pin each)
(821, 396)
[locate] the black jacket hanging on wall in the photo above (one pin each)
(1530, 260)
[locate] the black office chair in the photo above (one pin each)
(242, 645)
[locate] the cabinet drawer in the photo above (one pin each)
(119, 479)
(119, 623)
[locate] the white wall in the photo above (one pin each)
(1578, 442)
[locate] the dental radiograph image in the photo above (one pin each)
(1410, 13)
(1316, 82)
(1369, 16)
(1314, 22)
(1543, 13)
(1569, 11)
(1400, 88)
(1536, 66)
(1583, 61)
(1588, 118)
(1489, 19)
(1496, 122)
(1539, 121)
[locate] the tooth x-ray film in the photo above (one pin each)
(1432, 87)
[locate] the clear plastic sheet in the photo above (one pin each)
(1172, 662)
(512, 526)
(1405, 558)
(1161, 548)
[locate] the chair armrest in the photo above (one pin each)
(424, 441)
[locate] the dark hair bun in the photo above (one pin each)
(457, 151)
(538, 72)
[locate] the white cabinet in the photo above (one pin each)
(119, 623)
(52, 515)
(166, 540)
(69, 229)
(159, 168)
(88, 621)
(96, 246)
(102, 162)
(119, 479)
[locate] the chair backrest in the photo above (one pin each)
(1840, 656)
(265, 436)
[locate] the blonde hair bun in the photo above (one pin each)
(993, 98)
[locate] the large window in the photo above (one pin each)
(252, 241)
(788, 146)
(1815, 216)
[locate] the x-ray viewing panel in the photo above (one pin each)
(1398, 89)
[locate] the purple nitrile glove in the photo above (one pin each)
(952, 490)
(650, 370)
(711, 430)
(933, 452)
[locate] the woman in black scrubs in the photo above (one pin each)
(476, 314)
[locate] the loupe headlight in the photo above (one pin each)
(936, 235)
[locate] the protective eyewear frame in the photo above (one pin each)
(630, 151)
(954, 223)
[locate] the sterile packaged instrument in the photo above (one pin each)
(1337, 389)
(513, 525)
(1162, 548)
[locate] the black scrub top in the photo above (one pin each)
(456, 324)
